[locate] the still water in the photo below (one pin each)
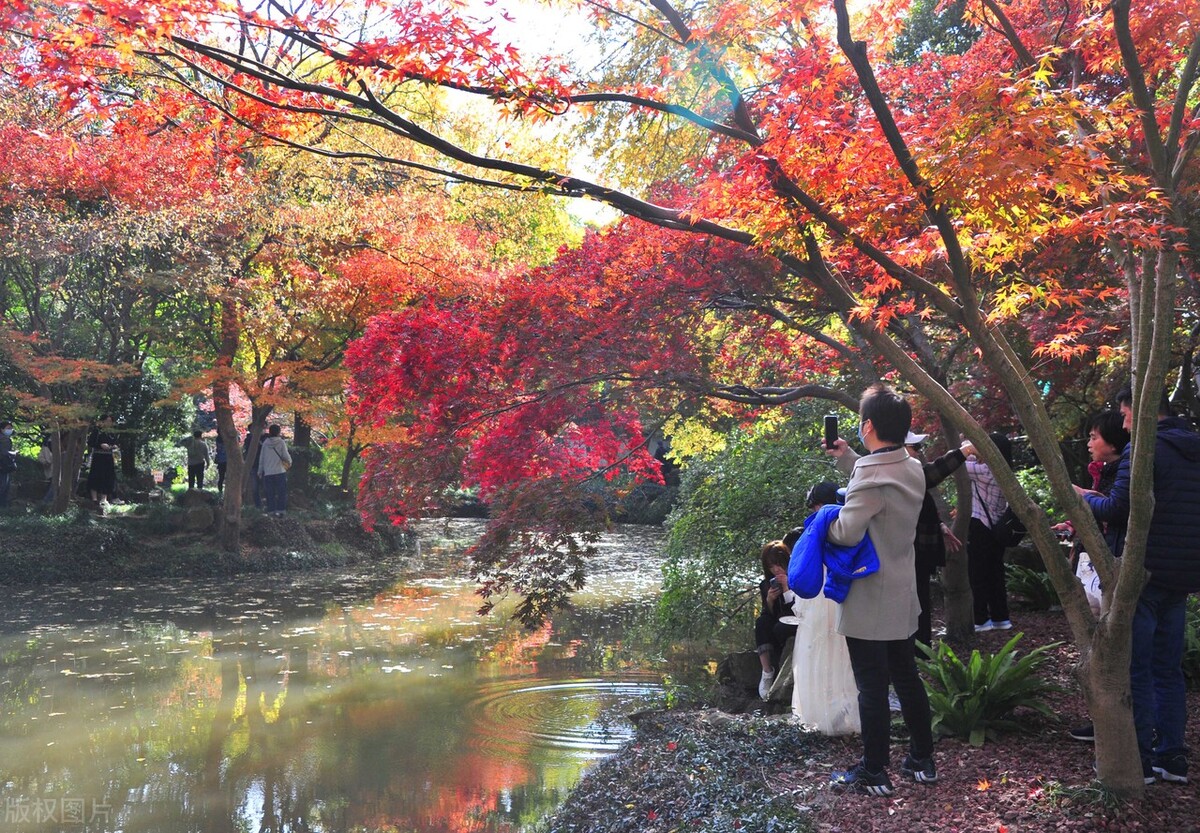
(330, 701)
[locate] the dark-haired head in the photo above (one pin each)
(1110, 425)
(774, 554)
(1004, 444)
(792, 537)
(889, 412)
(1125, 397)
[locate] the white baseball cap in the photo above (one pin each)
(914, 439)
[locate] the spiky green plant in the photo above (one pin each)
(976, 700)
(1031, 585)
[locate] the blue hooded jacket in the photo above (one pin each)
(815, 559)
(1171, 547)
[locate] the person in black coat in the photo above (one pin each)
(1157, 683)
(770, 634)
(934, 538)
(102, 472)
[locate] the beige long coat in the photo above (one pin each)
(884, 499)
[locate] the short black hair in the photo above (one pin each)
(1125, 397)
(792, 537)
(1110, 425)
(197, 433)
(273, 431)
(822, 493)
(888, 411)
(1004, 444)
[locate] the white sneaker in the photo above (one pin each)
(764, 684)
(1002, 625)
(987, 626)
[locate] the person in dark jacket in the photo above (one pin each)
(1107, 439)
(8, 461)
(198, 459)
(221, 459)
(102, 472)
(1157, 683)
(770, 634)
(934, 538)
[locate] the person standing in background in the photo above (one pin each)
(197, 459)
(1157, 683)
(221, 458)
(8, 461)
(934, 538)
(274, 460)
(985, 552)
(46, 459)
(102, 471)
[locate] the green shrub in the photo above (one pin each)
(1033, 586)
(1191, 643)
(1036, 484)
(976, 700)
(729, 505)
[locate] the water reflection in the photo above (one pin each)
(375, 700)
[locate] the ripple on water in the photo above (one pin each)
(586, 718)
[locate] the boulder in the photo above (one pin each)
(197, 518)
(781, 689)
(197, 497)
(741, 669)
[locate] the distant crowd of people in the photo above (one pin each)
(271, 463)
(877, 544)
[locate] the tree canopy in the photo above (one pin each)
(985, 226)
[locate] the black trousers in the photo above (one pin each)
(925, 620)
(196, 476)
(771, 634)
(985, 568)
(875, 664)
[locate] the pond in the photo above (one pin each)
(330, 701)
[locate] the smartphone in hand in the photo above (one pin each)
(831, 430)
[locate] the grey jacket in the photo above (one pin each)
(272, 455)
(884, 499)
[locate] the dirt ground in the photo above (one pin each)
(701, 769)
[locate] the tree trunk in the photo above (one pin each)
(68, 447)
(229, 519)
(353, 449)
(299, 476)
(255, 431)
(1104, 677)
(958, 603)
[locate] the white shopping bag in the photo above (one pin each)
(1086, 574)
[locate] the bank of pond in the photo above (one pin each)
(366, 697)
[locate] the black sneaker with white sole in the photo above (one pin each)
(857, 779)
(1087, 733)
(920, 770)
(1171, 768)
